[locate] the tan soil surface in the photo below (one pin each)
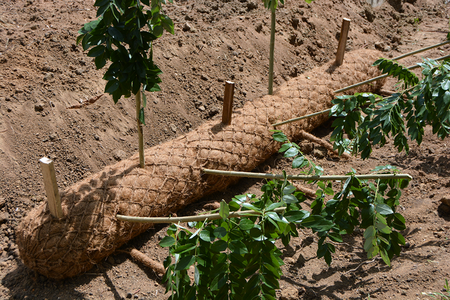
(43, 72)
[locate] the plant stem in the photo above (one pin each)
(272, 50)
(139, 128)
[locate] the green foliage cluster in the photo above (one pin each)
(292, 150)
(368, 119)
(123, 34)
(238, 258)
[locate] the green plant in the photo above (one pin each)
(123, 35)
(368, 119)
(238, 258)
(445, 296)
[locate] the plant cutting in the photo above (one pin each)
(272, 6)
(123, 35)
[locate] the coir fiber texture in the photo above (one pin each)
(172, 176)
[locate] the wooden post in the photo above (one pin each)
(342, 42)
(51, 188)
(228, 103)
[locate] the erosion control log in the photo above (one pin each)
(172, 177)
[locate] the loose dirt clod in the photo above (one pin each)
(172, 176)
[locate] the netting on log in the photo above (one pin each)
(172, 175)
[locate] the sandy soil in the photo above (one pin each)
(43, 72)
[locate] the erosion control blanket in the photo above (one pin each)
(172, 177)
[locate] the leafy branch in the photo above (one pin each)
(368, 119)
(237, 258)
(123, 35)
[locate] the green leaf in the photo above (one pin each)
(144, 99)
(296, 215)
(369, 232)
(383, 228)
(115, 34)
(279, 137)
(111, 86)
(251, 207)
(291, 152)
(96, 51)
(384, 209)
(224, 210)
(167, 241)
(336, 237)
(142, 116)
(206, 236)
(298, 162)
(289, 189)
(238, 247)
(185, 263)
(385, 256)
(289, 199)
(317, 223)
(246, 224)
(219, 246)
(196, 276)
(220, 232)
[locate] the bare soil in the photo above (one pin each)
(43, 73)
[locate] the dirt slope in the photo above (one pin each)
(42, 72)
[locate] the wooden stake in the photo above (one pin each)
(228, 103)
(342, 42)
(51, 188)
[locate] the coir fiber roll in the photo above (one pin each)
(172, 175)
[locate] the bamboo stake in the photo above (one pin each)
(305, 177)
(228, 103)
(342, 42)
(139, 127)
(51, 187)
(420, 50)
(199, 218)
(383, 76)
(347, 88)
(272, 47)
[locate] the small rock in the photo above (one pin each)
(204, 77)
(187, 27)
(79, 71)
(2, 202)
(202, 108)
(39, 107)
(49, 76)
(96, 137)
(4, 217)
(119, 155)
(53, 136)
(129, 295)
(289, 293)
(173, 127)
